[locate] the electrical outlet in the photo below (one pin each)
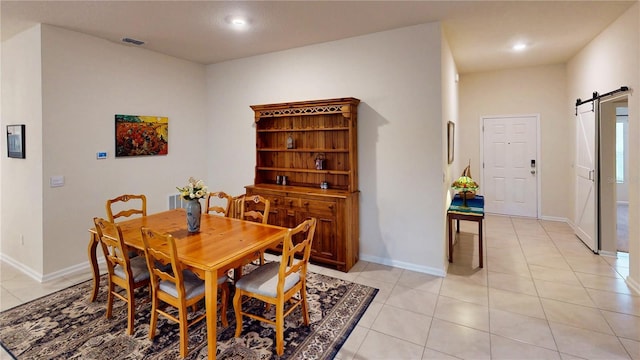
(56, 181)
(21, 239)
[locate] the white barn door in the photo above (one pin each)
(510, 165)
(586, 226)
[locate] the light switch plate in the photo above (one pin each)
(56, 181)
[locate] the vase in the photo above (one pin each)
(194, 211)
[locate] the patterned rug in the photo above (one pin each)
(65, 325)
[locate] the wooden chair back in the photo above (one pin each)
(113, 205)
(260, 282)
(113, 247)
(123, 271)
(255, 208)
(289, 264)
(213, 203)
(160, 250)
(235, 209)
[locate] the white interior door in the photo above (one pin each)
(510, 167)
(586, 226)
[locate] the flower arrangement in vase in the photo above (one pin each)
(192, 193)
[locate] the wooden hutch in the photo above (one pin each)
(313, 146)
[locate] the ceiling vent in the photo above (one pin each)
(132, 41)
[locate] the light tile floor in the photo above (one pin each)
(541, 295)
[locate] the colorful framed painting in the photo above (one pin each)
(141, 135)
(15, 141)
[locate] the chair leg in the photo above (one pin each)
(237, 306)
(154, 317)
(131, 304)
(305, 308)
(237, 274)
(184, 339)
(280, 327)
(109, 300)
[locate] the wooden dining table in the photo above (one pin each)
(222, 244)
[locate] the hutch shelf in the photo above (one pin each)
(307, 166)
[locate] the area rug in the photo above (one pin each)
(65, 325)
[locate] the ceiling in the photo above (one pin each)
(480, 32)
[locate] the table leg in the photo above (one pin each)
(480, 238)
(93, 261)
(450, 223)
(211, 305)
(457, 225)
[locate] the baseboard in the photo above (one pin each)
(633, 285)
(613, 254)
(554, 218)
(404, 265)
(69, 271)
(35, 275)
(559, 219)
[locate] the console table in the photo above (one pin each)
(474, 211)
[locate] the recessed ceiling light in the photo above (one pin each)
(236, 21)
(519, 46)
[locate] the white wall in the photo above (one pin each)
(396, 75)
(450, 108)
(608, 62)
(85, 82)
(533, 90)
(22, 178)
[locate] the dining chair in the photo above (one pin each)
(122, 201)
(177, 287)
(236, 206)
(276, 283)
(119, 204)
(255, 208)
(213, 205)
(123, 271)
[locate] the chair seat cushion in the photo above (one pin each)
(264, 280)
(139, 269)
(193, 286)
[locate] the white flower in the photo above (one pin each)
(195, 189)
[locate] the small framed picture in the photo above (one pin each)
(451, 128)
(15, 141)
